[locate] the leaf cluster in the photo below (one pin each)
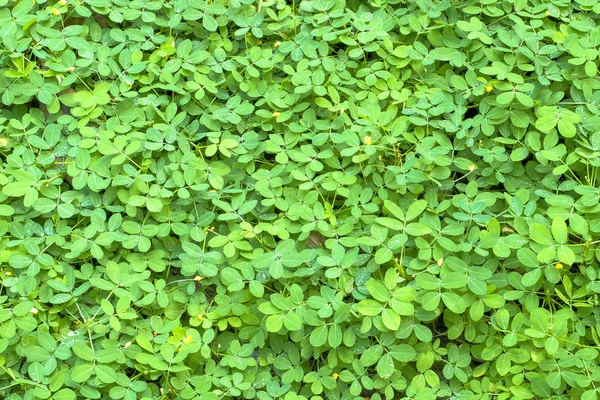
(309, 199)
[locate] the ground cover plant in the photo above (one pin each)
(327, 199)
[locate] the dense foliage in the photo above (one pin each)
(326, 199)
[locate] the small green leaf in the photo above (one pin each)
(385, 366)
(82, 372)
(454, 302)
(369, 307)
(378, 290)
(274, 323)
(390, 319)
(318, 336)
(540, 234)
(334, 337)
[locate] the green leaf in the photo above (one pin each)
(105, 373)
(415, 209)
(6, 210)
(531, 277)
(431, 300)
(454, 302)
(566, 255)
(390, 223)
(318, 337)
(276, 270)
(503, 364)
(383, 255)
(82, 372)
(423, 333)
(394, 209)
(274, 323)
(17, 189)
(334, 337)
(546, 255)
(551, 345)
(444, 53)
(505, 98)
(590, 394)
(428, 281)
(390, 319)
(540, 234)
(371, 355)
(527, 257)
(566, 128)
(546, 123)
(64, 394)
(520, 119)
(477, 310)
(385, 366)
(502, 318)
(83, 351)
(378, 290)
(369, 307)
(403, 352)
(559, 230)
(417, 229)
(292, 321)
